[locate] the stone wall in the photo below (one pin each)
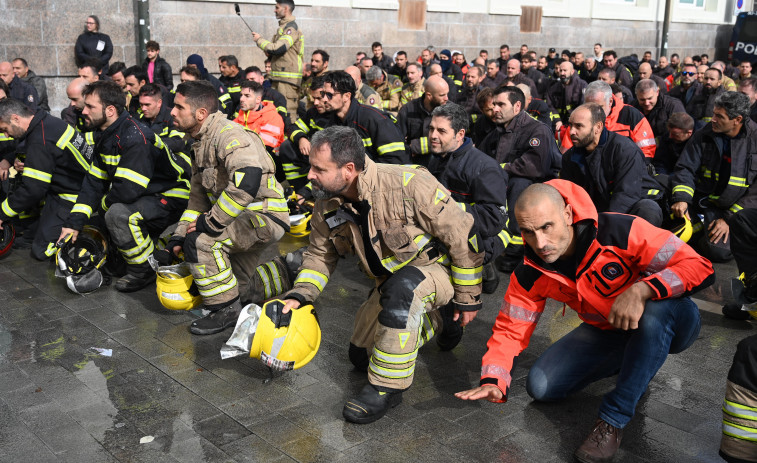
(44, 32)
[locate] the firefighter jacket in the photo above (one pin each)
(7, 148)
(383, 141)
(539, 110)
(411, 92)
(455, 75)
(413, 121)
(286, 51)
(130, 162)
(93, 45)
(702, 105)
(480, 188)
(409, 218)
(627, 121)
(398, 72)
(389, 91)
(614, 174)
(494, 83)
(161, 74)
(623, 75)
(308, 125)
(74, 118)
(481, 129)
(525, 148)
(231, 172)
(686, 94)
(718, 167)
(667, 154)
(23, 92)
(468, 100)
(566, 97)
(520, 78)
(266, 122)
(385, 62)
(162, 126)
(540, 80)
(57, 159)
(366, 95)
(612, 252)
(279, 102)
(233, 86)
(660, 113)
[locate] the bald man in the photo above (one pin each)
(645, 72)
(454, 92)
(536, 108)
(567, 93)
(19, 90)
(515, 76)
(365, 94)
(414, 118)
(72, 114)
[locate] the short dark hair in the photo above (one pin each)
(376, 44)
(483, 51)
(596, 111)
(345, 143)
(720, 73)
(455, 114)
(696, 58)
(93, 64)
(402, 52)
(316, 83)
(137, 72)
(674, 55)
(609, 53)
(705, 55)
(192, 71)
(252, 85)
(230, 60)
(750, 82)
(647, 52)
(514, 95)
(484, 95)
(199, 94)
(115, 68)
(23, 61)
(492, 61)
(504, 46)
(340, 81)
(289, 3)
(253, 69)
(10, 106)
(109, 93)
(680, 121)
(152, 90)
(324, 56)
(597, 44)
(734, 104)
(152, 45)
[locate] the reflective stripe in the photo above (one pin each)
(683, 189)
(182, 193)
(7, 209)
(51, 250)
(394, 358)
(37, 175)
(393, 264)
(130, 175)
(738, 181)
(664, 254)
(519, 313)
(189, 216)
(140, 258)
(516, 240)
(496, 371)
(64, 142)
(427, 331)
(71, 198)
(740, 411)
(367, 142)
(82, 209)
(504, 235)
(229, 206)
(218, 277)
(676, 285)
(645, 142)
(267, 289)
(424, 145)
(219, 289)
(286, 75)
(316, 279)
(652, 192)
(111, 160)
(466, 276)
(98, 173)
(386, 373)
(275, 276)
(390, 148)
(735, 208)
(739, 432)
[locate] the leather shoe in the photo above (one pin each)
(601, 444)
(452, 332)
(370, 405)
(218, 320)
(130, 282)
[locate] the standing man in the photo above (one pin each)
(356, 213)
(633, 301)
(622, 74)
(399, 69)
(236, 207)
(158, 70)
(21, 69)
(414, 86)
(286, 51)
(379, 58)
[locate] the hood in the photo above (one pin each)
(197, 61)
(445, 63)
(578, 198)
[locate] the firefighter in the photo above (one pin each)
(415, 117)
(260, 116)
(414, 86)
(156, 114)
(387, 86)
(364, 94)
(236, 207)
(629, 282)
(286, 51)
(136, 184)
(72, 114)
(401, 247)
(57, 159)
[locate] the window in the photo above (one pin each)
(692, 3)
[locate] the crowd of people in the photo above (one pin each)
(606, 182)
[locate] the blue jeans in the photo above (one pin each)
(588, 354)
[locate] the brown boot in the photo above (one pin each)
(601, 444)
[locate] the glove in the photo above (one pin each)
(174, 241)
(204, 227)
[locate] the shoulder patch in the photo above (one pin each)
(534, 142)
(289, 31)
(371, 100)
(238, 176)
(474, 243)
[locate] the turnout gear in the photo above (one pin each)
(286, 51)
(366, 95)
(413, 121)
(371, 404)
(25, 93)
(239, 208)
(660, 113)
(79, 262)
(217, 320)
(389, 91)
(411, 91)
(566, 97)
(286, 341)
(162, 125)
(739, 441)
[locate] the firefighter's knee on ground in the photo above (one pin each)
(397, 296)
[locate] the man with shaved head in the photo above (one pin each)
(19, 90)
(628, 281)
(414, 118)
(364, 94)
(72, 114)
(728, 83)
(436, 70)
(567, 93)
(645, 72)
(515, 76)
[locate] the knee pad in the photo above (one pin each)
(397, 296)
(190, 247)
(359, 357)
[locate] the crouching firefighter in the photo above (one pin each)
(135, 184)
(411, 236)
(57, 159)
(236, 207)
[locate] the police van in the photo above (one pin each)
(743, 46)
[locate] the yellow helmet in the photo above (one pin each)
(177, 292)
(681, 227)
(299, 216)
(286, 341)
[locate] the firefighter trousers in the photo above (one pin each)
(743, 227)
(223, 267)
(51, 219)
(739, 441)
(398, 318)
(133, 226)
(294, 165)
(291, 93)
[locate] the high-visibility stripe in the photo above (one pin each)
(182, 193)
(189, 216)
(267, 287)
(424, 145)
(316, 279)
(738, 181)
(274, 204)
(222, 275)
(740, 411)
(735, 208)
(466, 276)
(645, 142)
(275, 277)
(141, 258)
(82, 209)
(71, 198)
(683, 189)
(516, 240)
(519, 313)
(7, 210)
(386, 373)
(218, 289)
(229, 206)
(652, 192)
(386, 357)
(367, 142)
(111, 160)
(37, 175)
(64, 142)
(390, 148)
(132, 176)
(739, 432)
(393, 264)
(98, 173)
(504, 235)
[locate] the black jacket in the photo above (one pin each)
(278, 100)
(74, 117)
(666, 155)
(467, 99)
(131, 163)
(704, 169)
(540, 80)
(7, 150)
(565, 98)
(384, 63)
(481, 129)
(478, 184)
(539, 110)
(162, 126)
(614, 174)
(685, 94)
(400, 73)
(413, 121)
(660, 113)
(25, 93)
(233, 86)
(48, 169)
(623, 75)
(162, 73)
(93, 45)
(702, 105)
(525, 148)
(39, 85)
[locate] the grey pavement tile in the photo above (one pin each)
(209, 386)
(247, 412)
(13, 379)
(197, 449)
(26, 397)
(253, 449)
(375, 451)
(279, 431)
(173, 363)
(221, 429)
(106, 320)
(311, 449)
(20, 444)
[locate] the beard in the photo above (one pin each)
(321, 192)
(583, 142)
(93, 122)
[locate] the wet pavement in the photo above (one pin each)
(165, 395)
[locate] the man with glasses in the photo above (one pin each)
(689, 86)
(701, 106)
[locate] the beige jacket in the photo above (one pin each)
(286, 51)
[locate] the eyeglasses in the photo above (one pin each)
(687, 73)
(330, 95)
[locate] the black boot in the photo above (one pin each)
(734, 312)
(218, 320)
(134, 282)
(490, 279)
(359, 357)
(452, 332)
(371, 404)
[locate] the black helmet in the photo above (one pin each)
(78, 262)
(7, 235)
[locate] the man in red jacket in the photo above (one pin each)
(629, 283)
(259, 116)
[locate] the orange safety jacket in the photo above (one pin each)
(628, 121)
(266, 122)
(613, 251)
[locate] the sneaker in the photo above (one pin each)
(490, 279)
(370, 405)
(601, 444)
(734, 312)
(218, 320)
(130, 283)
(452, 332)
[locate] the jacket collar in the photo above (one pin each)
(210, 124)
(367, 180)
(113, 127)
(38, 117)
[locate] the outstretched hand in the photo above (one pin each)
(486, 392)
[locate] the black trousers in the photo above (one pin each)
(743, 228)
